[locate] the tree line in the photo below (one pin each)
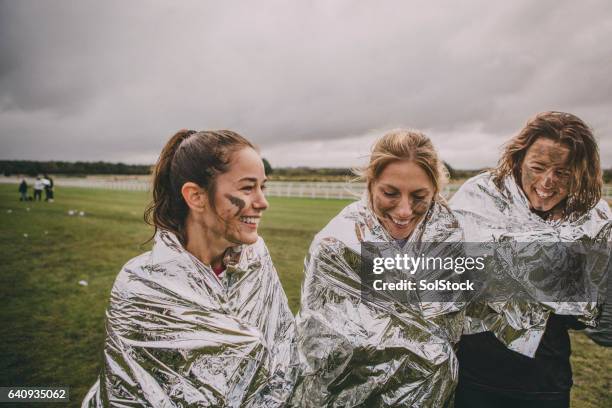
(32, 168)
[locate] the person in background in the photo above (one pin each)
(546, 188)
(39, 186)
(23, 190)
(48, 188)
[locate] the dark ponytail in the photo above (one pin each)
(188, 156)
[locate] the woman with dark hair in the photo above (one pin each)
(201, 320)
(546, 189)
(377, 349)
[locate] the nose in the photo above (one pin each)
(549, 179)
(404, 209)
(260, 202)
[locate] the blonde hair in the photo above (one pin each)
(405, 145)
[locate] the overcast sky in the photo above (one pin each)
(311, 82)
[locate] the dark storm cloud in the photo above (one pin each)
(111, 81)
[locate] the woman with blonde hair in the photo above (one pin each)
(201, 320)
(366, 348)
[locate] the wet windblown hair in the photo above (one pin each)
(405, 145)
(192, 156)
(586, 177)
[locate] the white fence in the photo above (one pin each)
(121, 184)
(314, 189)
(324, 189)
(327, 190)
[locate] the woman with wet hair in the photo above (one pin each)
(546, 188)
(380, 350)
(201, 320)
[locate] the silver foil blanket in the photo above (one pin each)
(379, 352)
(179, 336)
(503, 217)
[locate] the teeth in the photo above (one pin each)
(402, 223)
(542, 194)
(250, 220)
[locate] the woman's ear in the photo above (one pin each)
(194, 196)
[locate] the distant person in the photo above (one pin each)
(201, 320)
(23, 190)
(39, 186)
(48, 188)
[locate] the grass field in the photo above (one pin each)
(52, 328)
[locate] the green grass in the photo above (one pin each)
(52, 329)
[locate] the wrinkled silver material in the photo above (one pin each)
(380, 352)
(179, 336)
(602, 334)
(488, 214)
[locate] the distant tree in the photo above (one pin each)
(267, 167)
(50, 167)
(32, 168)
(607, 175)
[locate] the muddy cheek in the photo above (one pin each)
(564, 190)
(236, 202)
(230, 228)
(527, 177)
(382, 208)
(420, 208)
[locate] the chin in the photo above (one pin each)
(540, 205)
(396, 234)
(249, 239)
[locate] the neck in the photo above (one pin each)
(541, 214)
(203, 244)
(554, 214)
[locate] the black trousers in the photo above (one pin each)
(466, 397)
(37, 195)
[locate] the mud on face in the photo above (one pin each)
(401, 196)
(545, 175)
(236, 202)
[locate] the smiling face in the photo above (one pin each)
(239, 199)
(401, 196)
(545, 174)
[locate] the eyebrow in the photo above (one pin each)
(420, 190)
(252, 179)
(540, 163)
(389, 186)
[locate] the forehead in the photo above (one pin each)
(244, 163)
(405, 175)
(548, 151)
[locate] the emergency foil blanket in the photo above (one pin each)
(179, 336)
(503, 216)
(379, 351)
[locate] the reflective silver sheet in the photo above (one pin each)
(378, 353)
(602, 334)
(179, 336)
(487, 214)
